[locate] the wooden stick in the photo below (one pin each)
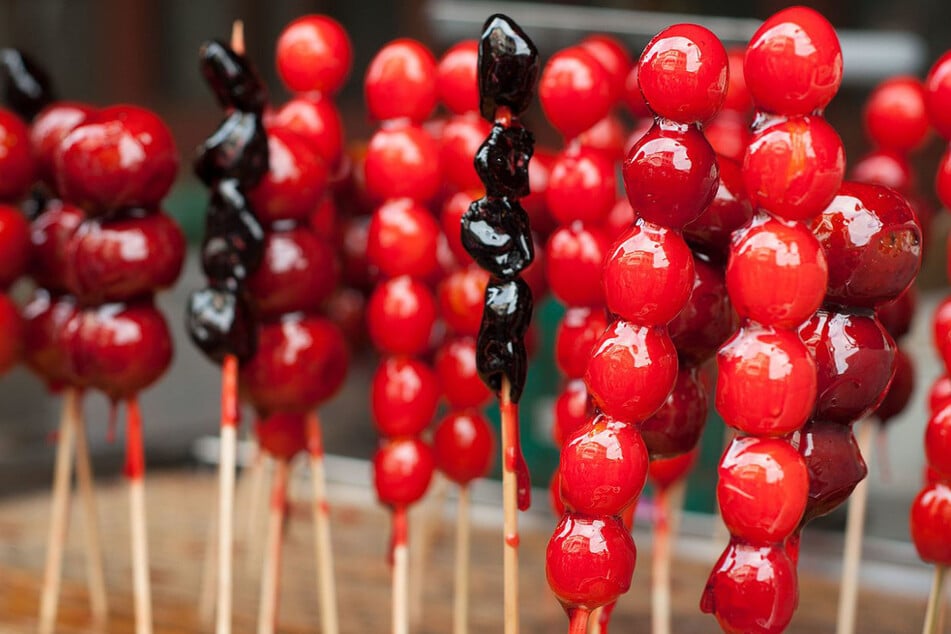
(95, 573)
(135, 473)
(594, 621)
(400, 598)
(660, 566)
(271, 573)
(460, 603)
(934, 601)
(509, 412)
(425, 527)
(854, 527)
(59, 519)
(257, 494)
(226, 474)
(326, 584)
(207, 589)
(237, 37)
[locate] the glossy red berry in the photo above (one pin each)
(632, 96)
(664, 472)
(572, 410)
(573, 256)
(455, 364)
(463, 446)
(942, 179)
(884, 167)
(613, 57)
(459, 141)
(402, 470)
(619, 219)
(900, 390)
(16, 160)
(282, 435)
(676, 427)
(931, 524)
(14, 245)
(581, 186)
(45, 336)
(461, 299)
(833, 462)
(578, 331)
(938, 442)
(728, 134)
(48, 130)
(400, 82)
(707, 320)
(683, 73)
(793, 62)
(402, 160)
(403, 396)
(575, 91)
(938, 95)
(767, 381)
(400, 316)
(402, 239)
(451, 221)
(324, 219)
(729, 210)
(738, 97)
(12, 339)
(940, 394)
(894, 115)
(314, 54)
(456, 80)
(316, 119)
(535, 205)
(295, 181)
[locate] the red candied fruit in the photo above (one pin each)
(632, 371)
(708, 318)
(619, 219)
(938, 95)
(728, 134)
(400, 316)
(316, 119)
(589, 561)
(457, 83)
(767, 381)
(294, 183)
(402, 470)
(752, 589)
(683, 73)
(459, 141)
(45, 349)
(834, 465)
(578, 331)
(402, 160)
(899, 392)
(14, 245)
(314, 54)
(648, 275)
(581, 186)
(539, 169)
(777, 272)
(613, 57)
(762, 489)
(453, 209)
(402, 239)
(403, 396)
(16, 159)
(794, 167)
(354, 267)
(13, 329)
(632, 96)
(121, 156)
(572, 409)
(676, 427)
(682, 171)
(942, 181)
(455, 364)
(886, 168)
(940, 394)
(793, 62)
(729, 210)
(400, 82)
(931, 524)
(575, 91)
(738, 97)
(938, 442)
(664, 472)
(894, 114)
(554, 494)
(463, 446)
(48, 130)
(872, 242)
(573, 256)
(462, 298)
(282, 435)
(323, 219)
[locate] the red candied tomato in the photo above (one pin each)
(403, 396)
(894, 114)
(938, 442)
(282, 435)
(457, 82)
(48, 130)
(316, 119)
(451, 221)
(573, 258)
(575, 91)
(402, 160)
(402, 239)
(886, 168)
(578, 331)
(455, 364)
(14, 245)
(461, 299)
(45, 337)
(16, 160)
(50, 233)
(664, 472)
(728, 134)
(314, 54)
(931, 523)
(402, 470)
(572, 410)
(401, 314)
(400, 82)
(632, 96)
(738, 97)
(729, 210)
(938, 95)
(581, 186)
(295, 181)
(459, 141)
(613, 57)
(463, 446)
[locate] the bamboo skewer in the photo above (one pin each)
(666, 524)
(95, 573)
(400, 598)
(135, 472)
(425, 527)
(509, 412)
(271, 573)
(934, 601)
(326, 584)
(226, 477)
(460, 602)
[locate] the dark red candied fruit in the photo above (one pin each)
(17, 163)
(938, 442)
(676, 427)
(403, 396)
(48, 130)
(938, 95)
(581, 186)
(683, 73)
(457, 83)
(402, 469)
(894, 114)
(728, 134)
(400, 82)
(324, 219)
(451, 221)
(12, 341)
(900, 390)
(455, 364)
(632, 371)
(314, 54)
(940, 394)
(931, 524)
(463, 445)
(121, 156)
(752, 589)
(886, 168)
(401, 314)
(767, 381)
(575, 91)
(729, 210)
(14, 245)
(461, 297)
(681, 169)
(578, 331)
(793, 62)
(794, 167)
(45, 322)
(301, 362)
(777, 272)
(613, 57)
(589, 561)
(834, 464)
(572, 410)
(708, 318)
(402, 239)
(872, 241)
(664, 472)
(295, 181)
(298, 273)
(282, 435)
(459, 141)
(316, 119)
(573, 258)
(346, 308)
(648, 275)
(402, 160)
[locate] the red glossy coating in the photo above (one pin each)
(938, 442)
(573, 257)
(894, 114)
(663, 472)
(884, 167)
(455, 364)
(581, 186)
(613, 57)
(632, 371)
(834, 464)
(728, 134)
(575, 91)
(603, 467)
(539, 169)
(301, 362)
(45, 346)
(572, 410)
(683, 73)
(931, 523)
(14, 245)
(453, 209)
(461, 299)
(459, 141)
(942, 179)
(400, 82)
(317, 120)
(619, 219)
(767, 381)
(457, 83)
(938, 95)
(354, 267)
(900, 391)
(402, 239)
(402, 469)
(708, 318)
(16, 160)
(464, 446)
(671, 174)
(793, 62)
(314, 54)
(872, 242)
(940, 394)
(298, 273)
(589, 561)
(777, 272)
(752, 590)
(282, 435)
(942, 330)
(794, 167)
(13, 329)
(400, 316)
(294, 183)
(632, 96)
(47, 131)
(121, 156)
(762, 488)
(346, 308)
(578, 331)
(676, 427)
(738, 97)
(855, 363)
(648, 274)
(403, 396)
(554, 494)
(729, 210)
(402, 160)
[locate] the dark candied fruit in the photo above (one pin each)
(28, 88)
(708, 318)
(45, 321)
(675, 428)
(234, 239)
(899, 392)
(729, 210)
(508, 67)
(220, 322)
(502, 161)
(496, 234)
(238, 149)
(500, 346)
(232, 77)
(834, 464)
